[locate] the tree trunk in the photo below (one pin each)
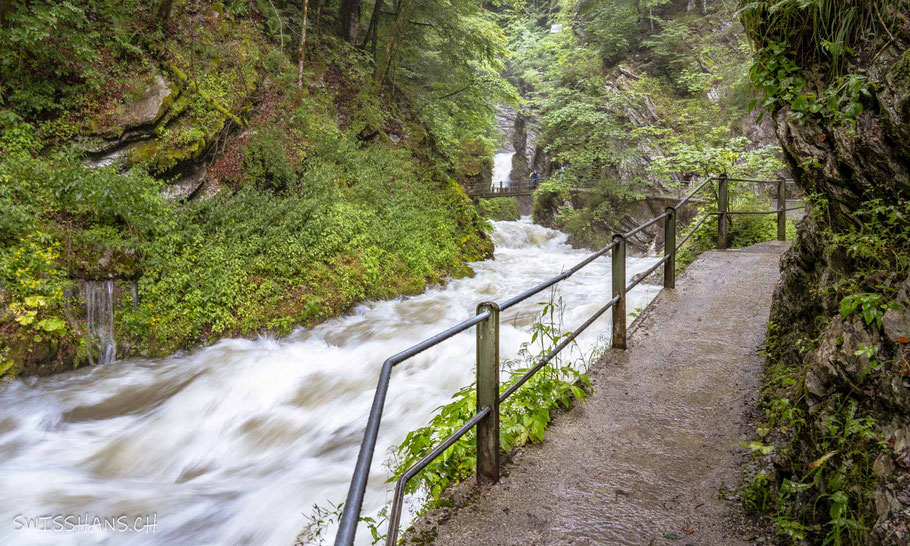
(350, 20)
(383, 66)
(302, 51)
(6, 7)
(318, 14)
(373, 41)
(374, 25)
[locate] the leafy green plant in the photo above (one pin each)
(777, 77)
(871, 306)
(524, 417)
(318, 520)
(711, 154)
(879, 239)
(266, 162)
(846, 438)
(868, 352)
(792, 34)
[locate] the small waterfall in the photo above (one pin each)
(99, 311)
(502, 169)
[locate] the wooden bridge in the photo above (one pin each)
(484, 191)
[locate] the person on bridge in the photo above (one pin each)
(534, 179)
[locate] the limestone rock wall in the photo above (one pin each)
(848, 169)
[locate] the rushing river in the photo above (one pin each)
(234, 443)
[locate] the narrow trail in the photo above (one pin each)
(644, 459)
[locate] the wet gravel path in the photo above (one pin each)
(644, 460)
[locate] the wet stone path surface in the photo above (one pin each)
(644, 460)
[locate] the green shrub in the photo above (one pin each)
(319, 208)
(363, 224)
(524, 416)
(266, 163)
(548, 198)
(499, 208)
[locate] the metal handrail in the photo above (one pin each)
(348, 526)
(693, 192)
(754, 181)
(561, 277)
(398, 499)
(777, 211)
(559, 347)
(646, 225)
(490, 312)
(644, 274)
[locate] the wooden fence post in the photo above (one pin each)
(722, 212)
(781, 209)
(619, 289)
(488, 394)
(670, 248)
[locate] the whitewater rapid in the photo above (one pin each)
(234, 443)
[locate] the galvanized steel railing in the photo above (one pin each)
(487, 352)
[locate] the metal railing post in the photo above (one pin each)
(781, 209)
(488, 394)
(722, 212)
(619, 289)
(670, 248)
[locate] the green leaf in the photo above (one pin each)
(853, 110)
(35, 301)
(53, 324)
(839, 502)
(788, 486)
(801, 103)
(757, 447)
(27, 318)
(869, 314)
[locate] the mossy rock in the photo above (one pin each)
(142, 102)
(101, 253)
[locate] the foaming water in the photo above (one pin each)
(234, 443)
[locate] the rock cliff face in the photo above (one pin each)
(842, 359)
